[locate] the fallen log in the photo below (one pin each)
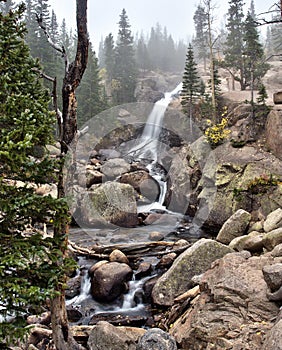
(132, 250)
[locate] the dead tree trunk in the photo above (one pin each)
(62, 336)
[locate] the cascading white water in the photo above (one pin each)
(147, 147)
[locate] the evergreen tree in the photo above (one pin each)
(252, 10)
(191, 83)
(200, 41)
(90, 96)
(142, 54)
(28, 263)
(274, 39)
(109, 52)
(32, 27)
(101, 53)
(155, 47)
(255, 67)
(234, 45)
(125, 72)
(262, 94)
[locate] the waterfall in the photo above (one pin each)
(148, 144)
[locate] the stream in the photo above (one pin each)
(147, 149)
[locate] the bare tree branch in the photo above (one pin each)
(58, 48)
(54, 98)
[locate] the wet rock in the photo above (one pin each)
(73, 287)
(114, 168)
(166, 261)
(273, 276)
(144, 269)
(232, 311)
(273, 339)
(272, 239)
(194, 261)
(108, 337)
(118, 256)
(235, 226)
(156, 339)
(156, 236)
(273, 220)
(161, 219)
(152, 218)
(181, 243)
(108, 281)
(111, 202)
(95, 266)
(74, 315)
(143, 183)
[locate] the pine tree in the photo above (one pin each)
(234, 45)
(28, 263)
(200, 41)
(101, 53)
(125, 72)
(32, 27)
(191, 83)
(109, 52)
(142, 54)
(90, 96)
(253, 54)
(262, 94)
(252, 10)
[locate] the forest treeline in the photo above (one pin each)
(111, 75)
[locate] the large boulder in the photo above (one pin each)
(273, 220)
(143, 183)
(156, 339)
(111, 202)
(243, 181)
(105, 336)
(233, 311)
(194, 261)
(234, 227)
(108, 281)
(273, 339)
(272, 239)
(115, 167)
(274, 132)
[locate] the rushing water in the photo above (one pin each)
(149, 146)
(147, 149)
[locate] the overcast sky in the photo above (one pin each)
(177, 16)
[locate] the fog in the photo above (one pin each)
(177, 16)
